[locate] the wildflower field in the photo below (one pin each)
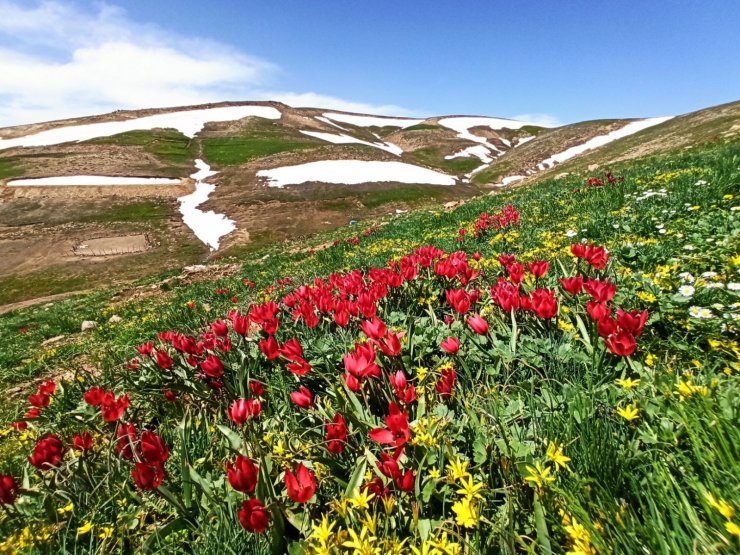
(553, 369)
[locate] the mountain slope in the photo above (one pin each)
(45, 229)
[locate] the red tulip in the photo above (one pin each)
(516, 272)
(601, 291)
(270, 348)
(47, 453)
(212, 367)
(302, 485)
(390, 344)
(458, 299)
(299, 367)
(597, 256)
(451, 345)
(336, 434)
(405, 481)
(303, 398)
(82, 442)
(292, 350)
(39, 400)
(242, 474)
(147, 476)
(152, 449)
(597, 311)
(146, 349)
(220, 328)
(606, 326)
(573, 285)
(539, 268)
(253, 516)
(8, 489)
(621, 343)
(396, 432)
(47, 388)
(544, 303)
(633, 321)
(164, 360)
(445, 384)
(242, 410)
(240, 323)
(170, 395)
(375, 328)
(478, 324)
(112, 409)
(257, 388)
(94, 396)
(126, 439)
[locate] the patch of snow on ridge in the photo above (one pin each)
(91, 181)
(601, 140)
(511, 179)
(322, 119)
(188, 122)
(353, 172)
(209, 227)
(523, 140)
(462, 124)
(372, 121)
(478, 150)
(346, 139)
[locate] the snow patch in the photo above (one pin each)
(601, 140)
(91, 181)
(523, 140)
(372, 121)
(346, 139)
(209, 227)
(188, 122)
(511, 179)
(353, 172)
(478, 150)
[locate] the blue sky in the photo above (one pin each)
(559, 60)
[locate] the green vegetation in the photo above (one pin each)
(548, 432)
(9, 168)
(421, 127)
(131, 212)
(410, 195)
(169, 146)
(533, 129)
(257, 140)
(431, 156)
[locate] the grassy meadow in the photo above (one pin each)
(551, 369)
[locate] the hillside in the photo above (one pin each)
(66, 225)
(550, 369)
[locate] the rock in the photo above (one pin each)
(561, 175)
(452, 204)
(196, 269)
(52, 340)
(89, 325)
(593, 167)
(115, 319)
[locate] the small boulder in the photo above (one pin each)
(593, 167)
(115, 319)
(89, 325)
(52, 340)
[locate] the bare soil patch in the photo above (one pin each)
(107, 246)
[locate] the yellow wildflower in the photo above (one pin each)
(362, 543)
(724, 508)
(85, 528)
(106, 532)
(555, 454)
(466, 513)
(469, 489)
(458, 469)
(627, 383)
(539, 475)
(361, 499)
(629, 413)
(323, 531)
(68, 508)
(732, 528)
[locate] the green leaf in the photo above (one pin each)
(162, 532)
(235, 441)
(543, 536)
(584, 334)
(356, 479)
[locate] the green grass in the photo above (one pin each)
(171, 147)
(9, 169)
(410, 195)
(258, 140)
(132, 212)
(421, 127)
(633, 487)
(431, 156)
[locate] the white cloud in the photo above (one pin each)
(545, 120)
(57, 61)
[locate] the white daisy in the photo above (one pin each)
(686, 291)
